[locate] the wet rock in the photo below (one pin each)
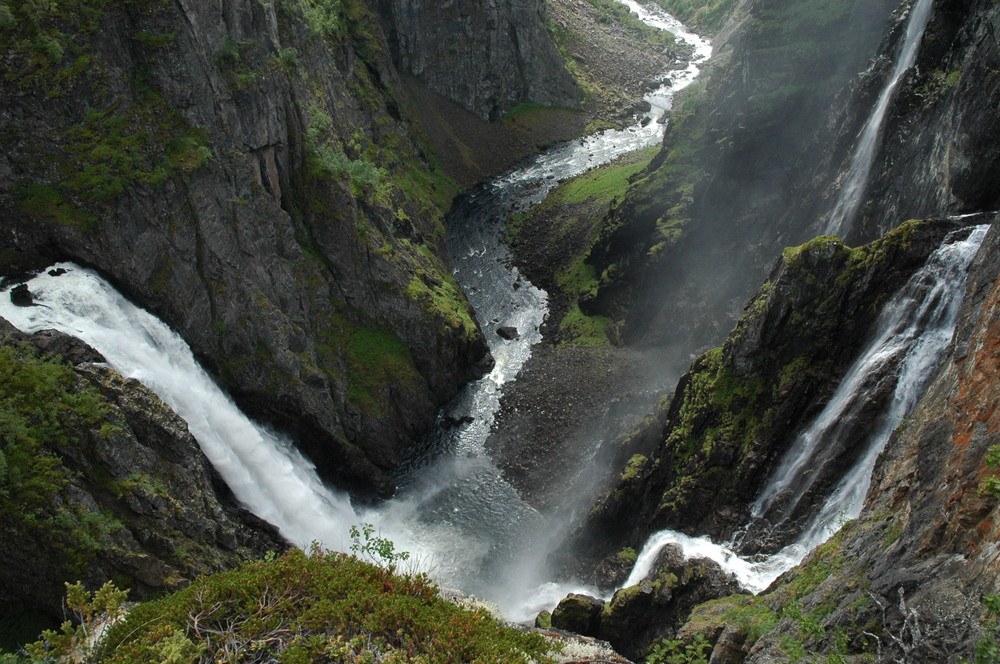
(578, 613)
(21, 296)
(58, 272)
(653, 609)
(508, 332)
(456, 418)
(614, 570)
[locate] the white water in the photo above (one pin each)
(455, 513)
(265, 472)
(912, 331)
(852, 189)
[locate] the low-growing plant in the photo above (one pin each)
(315, 607)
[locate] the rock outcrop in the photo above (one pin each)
(116, 489)
(651, 610)
(250, 173)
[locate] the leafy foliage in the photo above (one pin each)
(988, 648)
(672, 651)
(91, 609)
(990, 485)
(42, 410)
(377, 549)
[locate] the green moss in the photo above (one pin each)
(44, 411)
(376, 359)
(50, 205)
(603, 184)
(633, 468)
(579, 329)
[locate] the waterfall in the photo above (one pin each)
(910, 336)
(841, 217)
(264, 470)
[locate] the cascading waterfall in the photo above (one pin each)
(910, 336)
(841, 217)
(265, 471)
(455, 513)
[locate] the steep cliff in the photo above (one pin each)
(486, 57)
(739, 407)
(907, 580)
(100, 480)
(940, 149)
(247, 171)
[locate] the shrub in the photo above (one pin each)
(314, 607)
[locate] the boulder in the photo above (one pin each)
(642, 614)
(578, 613)
(21, 296)
(507, 332)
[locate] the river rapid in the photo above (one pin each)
(454, 512)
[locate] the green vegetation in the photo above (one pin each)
(297, 609)
(724, 402)
(988, 647)
(375, 359)
(673, 651)
(42, 406)
(436, 288)
(990, 485)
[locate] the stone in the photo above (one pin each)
(507, 332)
(21, 296)
(578, 613)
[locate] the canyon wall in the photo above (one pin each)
(250, 172)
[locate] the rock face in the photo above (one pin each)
(487, 57)
(738, 408)
(937, 131)
(248, 172)
(907, 578)
(131, 496)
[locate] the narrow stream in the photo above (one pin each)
(455, 514)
